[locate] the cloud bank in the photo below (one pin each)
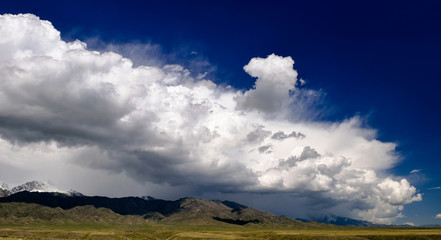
(60, 102)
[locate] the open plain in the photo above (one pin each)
(48, 230)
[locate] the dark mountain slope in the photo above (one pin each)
(123, 206)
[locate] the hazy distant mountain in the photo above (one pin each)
(184, 210)
(344, 221)
(430, 226)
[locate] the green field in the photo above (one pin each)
(166, 231)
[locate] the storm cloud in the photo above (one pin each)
(61, 103)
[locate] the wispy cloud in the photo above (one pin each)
(62, 104)
(434, 188)
(415, 171)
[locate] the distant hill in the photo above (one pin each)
(344, 221)
(17, 212)
(184, 210)
(431, 226)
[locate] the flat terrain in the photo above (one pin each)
(166, 231)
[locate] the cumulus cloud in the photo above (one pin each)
(157, 125)
(438, 215)
(275, 79)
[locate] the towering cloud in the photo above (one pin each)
(276, 78)
(61, 103)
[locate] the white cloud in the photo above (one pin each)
(415, 171)
(438, 215)
(275, 79)
(65, 107)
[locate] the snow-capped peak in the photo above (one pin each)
(3, 186)
(148, 198)
(36, 186)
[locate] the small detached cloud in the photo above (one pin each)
(438, 215)
(63, 104)
(434, 188)
(415, 171)
(282, 136)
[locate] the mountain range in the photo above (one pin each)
(188, 210)
(184, 210)
(193, 210)
(33, 186)
(344, 221)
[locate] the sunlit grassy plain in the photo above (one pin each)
(32, 221)
(169, 231)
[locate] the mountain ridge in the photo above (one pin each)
(184, 210)
(345, 221)
(43, 193)
(34, 186)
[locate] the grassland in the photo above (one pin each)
(168, 231)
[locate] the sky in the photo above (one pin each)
(301, 108)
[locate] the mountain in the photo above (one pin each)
(185, 210)
(344, 221)
(3, 185)
(29, 213)
(4, 190)
(430, 226)
(34, 186)
(197, 210)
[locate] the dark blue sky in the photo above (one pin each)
(380, 60)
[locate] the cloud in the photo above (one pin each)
(415, 171)
(434, 188)
(64, 108)
(438, 215)
(281, 135)
(275, 79)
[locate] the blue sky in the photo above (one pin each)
(379, 61)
